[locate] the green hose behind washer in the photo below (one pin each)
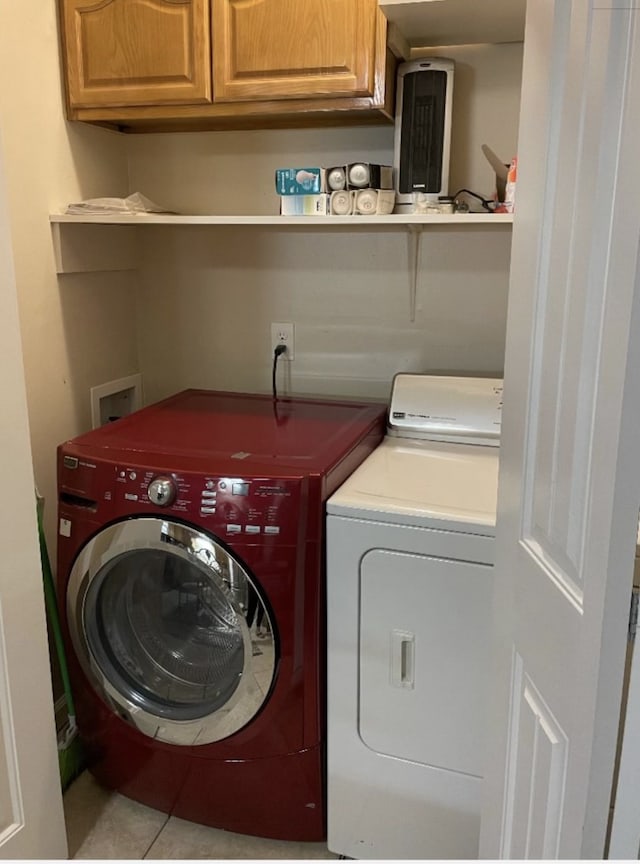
(70, 755)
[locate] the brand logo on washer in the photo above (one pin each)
(240, 455)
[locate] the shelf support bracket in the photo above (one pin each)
(414, 232)
(87, 248)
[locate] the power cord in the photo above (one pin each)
(486, 202)
(280, 349)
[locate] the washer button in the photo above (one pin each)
(271, 529)
(234, 529)
(252, 529)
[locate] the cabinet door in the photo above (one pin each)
(136, 52)
(286, 49)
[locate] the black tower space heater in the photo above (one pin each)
(423, 129)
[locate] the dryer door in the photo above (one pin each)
(159, 615)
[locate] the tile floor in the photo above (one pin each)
(105, 825)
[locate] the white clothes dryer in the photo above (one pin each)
(409, 585)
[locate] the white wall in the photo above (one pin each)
(77, 331)
(207, 321)
(208, 296)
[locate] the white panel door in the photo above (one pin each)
(570, 473)
(31, 821)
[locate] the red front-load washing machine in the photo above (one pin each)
(191, 586)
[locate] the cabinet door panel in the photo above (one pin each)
(280, 49)
(137, 52)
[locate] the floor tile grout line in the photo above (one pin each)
(160, 830)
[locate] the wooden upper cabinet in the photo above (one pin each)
(293, 49)
(136, 52)
(159, 65)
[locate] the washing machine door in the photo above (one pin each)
(159, 615)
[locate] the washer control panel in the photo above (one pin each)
(234, 507)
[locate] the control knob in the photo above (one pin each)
(162, 491)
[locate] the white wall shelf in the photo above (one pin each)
(90, 243)
(430, 23)
(337, 222)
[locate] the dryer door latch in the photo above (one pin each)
(402, 659)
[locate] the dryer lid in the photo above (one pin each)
(446, 408)
(426, 484)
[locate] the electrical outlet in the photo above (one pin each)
(282, 334)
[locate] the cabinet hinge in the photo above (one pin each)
(633, 614)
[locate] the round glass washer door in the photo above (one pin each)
(160, 616)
